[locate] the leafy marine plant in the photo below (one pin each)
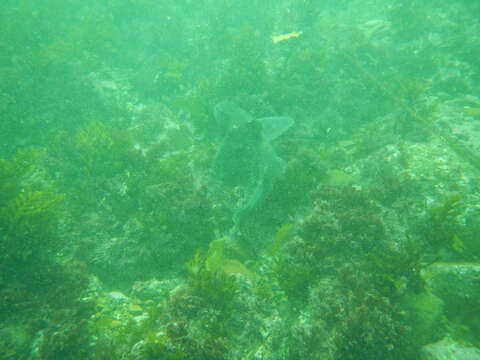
(295, 277)
(346, 219)
(29, 221)
(95, 147)
(31, 216)
(102, 162)
(174, 207)
(29, 210)
(394, 270)
(442, 227)
(408, 20)
(197, 318)
(15, 170)
(246, 71)
(208, 280)
(364, 324)
(199, 103)
(302, 79)
(291, 191)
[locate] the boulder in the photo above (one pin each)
(447, 349)
(457, 284)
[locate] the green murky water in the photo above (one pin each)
(219, 180)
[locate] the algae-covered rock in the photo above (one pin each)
(15, 341)
(455, 283)
(447, 349)
(425, 316)
(156, 290)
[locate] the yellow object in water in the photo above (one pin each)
(278, 38)
(457, 244)
(280, 237)
(235, 267)
(217, 262)
(337, 177)
(472, 111)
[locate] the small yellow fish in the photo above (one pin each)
(475, 111)
(278, 38)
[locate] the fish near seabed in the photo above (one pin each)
(246, 156)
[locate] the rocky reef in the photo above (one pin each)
(220, 180)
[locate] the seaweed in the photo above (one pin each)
(246, 73)
(295, 278)
(302, 80)
(30, 240)
(396, 270)
(366, 324)
(199, 104)
(160, 347)
(33, 272)
(441, 223)
(207, 279)
(29, 211)
(94, 144)
(13, 172)
(32, 212)
(279, 238)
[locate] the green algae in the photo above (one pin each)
(146, 157)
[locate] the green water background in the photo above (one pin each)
(110, 194)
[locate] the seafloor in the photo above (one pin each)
(215, 180)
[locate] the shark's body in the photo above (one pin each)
(246, 156)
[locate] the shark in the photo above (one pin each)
(246, 156)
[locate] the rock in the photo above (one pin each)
(155, 290)
(447, 349)
(425, 316)
(457, 284)
(117, 296)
